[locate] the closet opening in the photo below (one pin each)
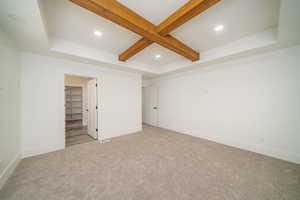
(81, 110)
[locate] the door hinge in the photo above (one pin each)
(96, 130)
(96, 84)
(96, 107)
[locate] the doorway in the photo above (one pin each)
(150, 105)
(81, 110)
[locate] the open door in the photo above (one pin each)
(150, 105)
(92, 108)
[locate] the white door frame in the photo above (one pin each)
(150, 105)
(79, 85)
(95, 134)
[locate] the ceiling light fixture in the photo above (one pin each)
(157, 56)
(219, 28)
(98, 33)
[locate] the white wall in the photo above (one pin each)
(251, 103)
(10, 137)
(43, 101)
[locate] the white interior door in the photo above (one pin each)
(150, 105)
(92, 108)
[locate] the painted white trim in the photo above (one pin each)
(41, 150)
(256, 148)
(7, 172)
(119, 135)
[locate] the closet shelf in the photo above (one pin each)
(69, 107)
(73, 95)
(77, 113)
(74, 100)
(73, 104)
(73, 119)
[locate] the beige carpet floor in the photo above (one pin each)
(152, 165)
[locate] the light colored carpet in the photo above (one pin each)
(151, 165)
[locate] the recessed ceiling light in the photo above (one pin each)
(219, 28)
(98, 33)
(157, 56)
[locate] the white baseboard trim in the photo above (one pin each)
(257, 148)
(7, 172)
(260, 149)
(41, 150)
(118, 134)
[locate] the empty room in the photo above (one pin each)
(149, 100)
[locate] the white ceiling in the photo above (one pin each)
(68, 21)
(61, 29)
(23, 23)
(154, 11)
(240, 18)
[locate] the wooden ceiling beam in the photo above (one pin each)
(116, 12)
(181, 16)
